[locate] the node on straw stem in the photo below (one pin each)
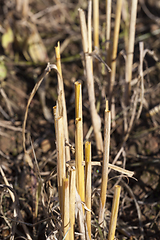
(79, 140)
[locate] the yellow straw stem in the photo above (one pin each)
(79, 141)
(115, 44)
(115, 206)
(58, 58)
(96, 23)
(60, 144)
(130, 51)
(108, 30)
(125, 25)
(65, 215)
(107, 125)
(54, 114)
(96, 121)
(114, 56)
(90, 26)
(25, 8)
(72, 192)
(106, 105)
(88, 186)
(61, 90)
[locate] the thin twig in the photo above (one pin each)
(141, 46)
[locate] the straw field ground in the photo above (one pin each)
(29, 32)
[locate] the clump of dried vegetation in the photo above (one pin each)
(80, 133)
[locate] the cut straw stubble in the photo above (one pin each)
(79, 155)
(108, 30)
(61, 88)
(130, 50)
(88, 186)
(72, 192)
(60, 145)
(96, 121)
(114, 213)
(114, 56)
(107, 125)
(115, 45)
(66, 227)
(96, 23)
(79, 141)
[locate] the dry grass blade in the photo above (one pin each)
(115, 206)
(40, 187)
(141, 47)
(6, 124)
(121, 170)
(133, 116)
(111, 166)
(96, 56)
